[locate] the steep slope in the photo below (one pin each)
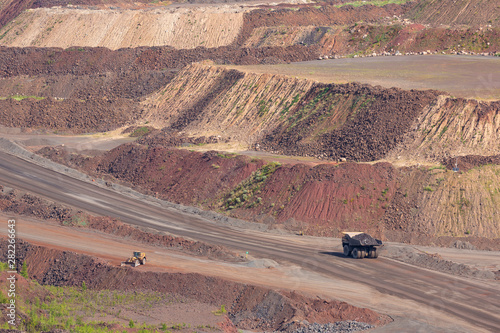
(114, 29)
(109, 84)
(354, 121)
(80, 61)
(72, 116)
(440, 202)
(365, 38)
(333, 121)
(450, 127)
(463, 12)
(419, 205)
(207, 100)
(318, 16)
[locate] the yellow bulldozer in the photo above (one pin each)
(138, 258)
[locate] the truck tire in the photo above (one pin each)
(347, 250)
(143, 261)
(362, 254)
(136, 263)
(373, 253)
(356, 254)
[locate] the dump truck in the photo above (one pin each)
(360, 245)
(138, 258)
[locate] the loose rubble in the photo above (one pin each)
(338, 327)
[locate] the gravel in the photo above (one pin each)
(262, 263)
(15, 149)
(338, 327)
(366, 239)
(435, 262)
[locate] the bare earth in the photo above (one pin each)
(461, 76)
(283, 276)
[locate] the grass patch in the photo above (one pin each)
(245, 192)
(263, 109)
(220, 311)
(76, 220)
(229, 155)
(21, 97)
(49, 308)
(140, 131)
(438, 167)
(4, 267)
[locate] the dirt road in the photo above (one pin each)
(452, 303)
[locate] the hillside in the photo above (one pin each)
(463, 12)
(418, 205)
(451, 127)
(352, 121)
(115, 29)
(332, 121)
(69, 291)
(413, 198)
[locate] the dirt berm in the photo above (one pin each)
(74, 116)
(419, 205)
(78, 61)
(302, 117)
(249, 307)
(17, 202)
(287, 115)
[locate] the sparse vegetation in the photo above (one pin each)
(3, 266)
(140, 131)
(246, 190)
(24, 270)
(48, 308)
(22, 97)
(437, 167)
(220, 311)
(77, 220)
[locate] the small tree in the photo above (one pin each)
(84, 286)
(24, 270)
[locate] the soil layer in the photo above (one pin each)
(249, 307)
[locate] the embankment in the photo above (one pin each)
(119, 28)
(333, 121)
(449, 12)
(73, 116)
(287, 115)
(452, 127)
(249, 307)
(418, 205)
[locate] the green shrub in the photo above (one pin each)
(220, 311)
(24, 270)
(3, 299)
(140, 131)
(4, 266)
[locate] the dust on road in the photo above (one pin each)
(284, 276)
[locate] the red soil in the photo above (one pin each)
(249, 307)
(465, 163)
